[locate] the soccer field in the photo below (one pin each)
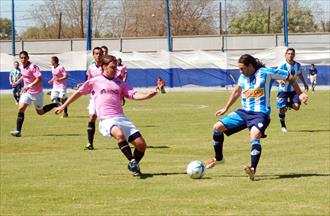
(47, 172)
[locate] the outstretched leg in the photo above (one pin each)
(218, 139)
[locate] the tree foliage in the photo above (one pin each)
(300, 19)
(5, 32)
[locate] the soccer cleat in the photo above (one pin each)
(250, 171)
(133, 166)
(65, 115)
(284, 130)
(89, 147)
(16, 133)
(212, 162)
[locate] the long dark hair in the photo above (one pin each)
(247, 59)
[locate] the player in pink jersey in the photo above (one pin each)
(105, 50)
(59, 83)
(94, 70)
(121, 73)
(32, 91)
(107, 93)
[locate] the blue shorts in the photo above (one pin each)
(241, 119)
(285, 99)
(17, 88)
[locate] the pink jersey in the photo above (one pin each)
(121, 72)
(94, 71)
(59, 72)
(107, 95)
(29, 74)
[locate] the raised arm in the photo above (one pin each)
(235, 94)
(144, 96)
(70, 100)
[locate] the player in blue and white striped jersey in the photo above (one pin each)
(254, 85)
(287, 96)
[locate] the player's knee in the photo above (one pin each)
(296, 107)
(219, 127)
(255, 133)
(141, 145)
(92, 118)
(283, 110)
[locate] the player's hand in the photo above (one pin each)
(50, 81)
(58, 110)
(14, 84)
(303, 97)
(152, 93)
(25, 88)
(220, 112)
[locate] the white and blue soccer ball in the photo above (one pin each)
(196, 169)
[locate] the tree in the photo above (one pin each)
(300, 18)
(147, 18)
(5, 32)
(47, 18)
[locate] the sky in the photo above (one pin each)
(23, 18)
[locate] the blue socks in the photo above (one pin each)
(281, 115)
(218, 139)
(255, 152)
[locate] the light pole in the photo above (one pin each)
(168, 27)
(13, 28)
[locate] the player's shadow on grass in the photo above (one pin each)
(311, 130)
(290, 176)
(150, 175)
(60, 135)
(151, 147)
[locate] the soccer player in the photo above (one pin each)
(121, 73)
(32, 92)
(121, 70)
(14, 75)
(312, 75)
(287, 97)
(59, 78)
(161, 85)
(254, 86)
(93, 71)
(105, 50)
(108, 92)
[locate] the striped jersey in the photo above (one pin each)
(256, 89)
(294, 70)
(15, 74)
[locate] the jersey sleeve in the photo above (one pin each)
(299, 69)
(36, 71)
(64, 71)
(86, 88)
(239, 81)
(125, 70)
(128, 91)
(278, 74)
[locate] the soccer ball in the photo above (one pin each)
(196, 169)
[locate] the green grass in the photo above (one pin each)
(46, 172)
